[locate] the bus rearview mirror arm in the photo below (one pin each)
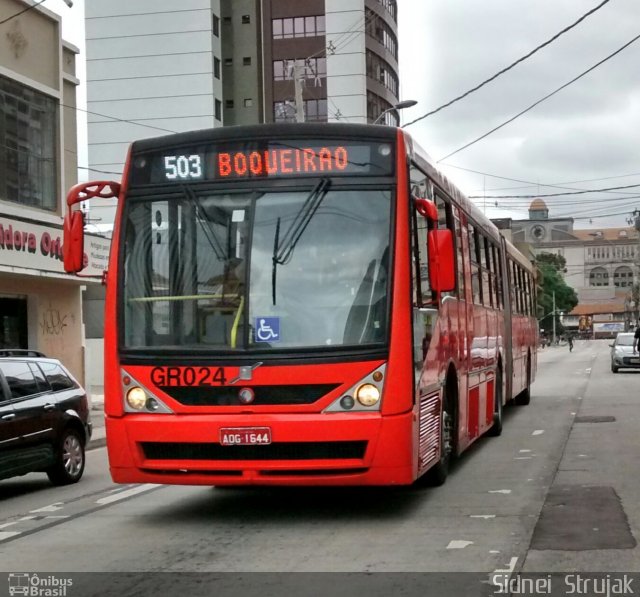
(73, 226)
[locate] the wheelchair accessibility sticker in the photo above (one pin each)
(267, 329)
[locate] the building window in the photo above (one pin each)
(298, 27)
(376, 106)
(623, 277)
(218, 110)
(248, 102)
(599, 277)
(382, 71)
(391, 7)
(28, 160)
(215, 25)
(313, 69)
(246, 19)
(228, 61)
(378, 29)
(315, 110)
(246, 61)
(228, 103)
(216, 67)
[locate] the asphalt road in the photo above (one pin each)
(558, 491)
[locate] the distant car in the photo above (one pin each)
(44, 418)
(622, 355)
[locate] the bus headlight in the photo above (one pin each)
(136, 398)
(367, 394)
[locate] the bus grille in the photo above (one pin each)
(429, 428)
(264, 395)
(275, 451)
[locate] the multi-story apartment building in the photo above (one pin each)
(40, 305)
(156, 66)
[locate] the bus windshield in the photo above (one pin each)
(228, 271)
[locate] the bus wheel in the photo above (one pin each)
(524, 397)
(437, 475)
(496, 429)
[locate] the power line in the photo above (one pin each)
(13, 16)
(504, 70)
(157, 128)
(546, 97)
(581, 192)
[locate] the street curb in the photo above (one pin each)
(99, 442)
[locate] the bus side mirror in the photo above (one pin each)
(73, 228)
(73, 244)
(441, 261)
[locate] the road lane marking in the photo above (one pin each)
(125, 494)
(538, 432)
(505, 572)
(49, 508)
(523, 457)
(500, 491)
(459, 544)
(524, 451)
(485, 516)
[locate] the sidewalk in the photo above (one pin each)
(98, 437)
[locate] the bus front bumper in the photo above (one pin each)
(318, 449)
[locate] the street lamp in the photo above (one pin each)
(396, 107)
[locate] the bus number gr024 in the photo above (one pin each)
(183, 167)
(188, 376)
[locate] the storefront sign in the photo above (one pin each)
(32, 246)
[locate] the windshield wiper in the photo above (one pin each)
(282, 252)
(207, 230)
(301, 221)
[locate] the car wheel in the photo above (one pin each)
(614, 368)
(70, 459)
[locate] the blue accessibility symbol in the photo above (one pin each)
(267, 329)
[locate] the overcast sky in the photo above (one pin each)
(587, 132)
(590, 130)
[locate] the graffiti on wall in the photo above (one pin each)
(52, 322)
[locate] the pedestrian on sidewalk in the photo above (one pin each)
(636, 338)
(570, 341)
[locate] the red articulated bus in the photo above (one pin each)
(302, 305)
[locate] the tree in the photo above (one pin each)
(550, 282)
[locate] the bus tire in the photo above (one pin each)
(438, 474)
(496, 428)
(524, 397)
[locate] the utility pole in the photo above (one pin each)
(553, 318)
(297, 82)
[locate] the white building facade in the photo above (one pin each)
(40, 305)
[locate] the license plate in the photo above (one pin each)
(245, 436)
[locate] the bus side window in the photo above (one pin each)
(422, 294)
(475, 265)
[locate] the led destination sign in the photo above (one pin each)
(273, 159)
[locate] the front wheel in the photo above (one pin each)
(70, 459)
(438, 474)
(614, 369)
